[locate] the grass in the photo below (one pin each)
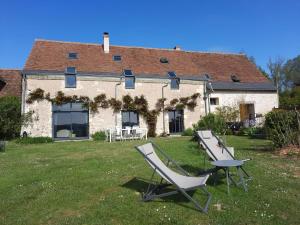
(100, 183)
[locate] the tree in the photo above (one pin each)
(277, 73)
(252, 59)
(292, 71)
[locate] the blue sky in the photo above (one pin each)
(262, 29)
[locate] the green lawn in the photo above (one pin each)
(100, 183)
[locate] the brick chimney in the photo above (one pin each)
(177, 48)
(106, 42)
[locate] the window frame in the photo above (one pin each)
(74, 53)
(127, 77)
(216, 99)
(70, 74)
(115, 58)
(173, 78)
(130, 112)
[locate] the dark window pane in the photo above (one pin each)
(72, 55)
(79, 124)
(62, 125)
(130, 118)
(176, 119)
(172, 74)
(128, 73)
(71, 70)
(70, 121)
(70, 81)
(174, 83)
(117, 58)
(64, 107)
(129, 82)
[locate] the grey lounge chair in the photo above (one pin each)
(215, 148)
(183, 183)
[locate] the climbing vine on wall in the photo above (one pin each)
(138, 104)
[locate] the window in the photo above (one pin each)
(70, 70)
(235, 78)
(164, 60)
(72, 55)
(70, 121)
(176, 121)
(129, 79)
(175, 81)
(214, 101)
(70, 81)
(130, 118)
(117, 58)
(70, 77)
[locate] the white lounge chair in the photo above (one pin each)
(182, 182)
(215, 148)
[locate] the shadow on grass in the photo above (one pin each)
(141, 185)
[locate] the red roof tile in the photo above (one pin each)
(11, 82)
(53, 56)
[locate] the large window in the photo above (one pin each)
(70, 121)
(130, 119)
(176, 124)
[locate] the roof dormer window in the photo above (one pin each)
(70, 70)
(72, 55)
(129, 79)
(235, 78)
(117, 58)
(164, 60)
(175, 81)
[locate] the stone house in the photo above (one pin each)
(84, 69)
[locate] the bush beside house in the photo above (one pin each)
(10, 117)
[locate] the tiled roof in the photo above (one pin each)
(11, 82)
(267, 86)
(53, 56)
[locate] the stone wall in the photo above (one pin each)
(105, 118)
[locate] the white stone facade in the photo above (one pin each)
(263, 102)
(105, 118)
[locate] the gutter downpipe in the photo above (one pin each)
(23, 96)
(205, 97)
(162, 95)
(116, 93)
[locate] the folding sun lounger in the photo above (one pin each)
(215, 148)
(183, 183)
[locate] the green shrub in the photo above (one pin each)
(255, 132)
(211, 122)
(10, 117)
(283, 127)
(188, 132)
(34, 140)
(99, 136)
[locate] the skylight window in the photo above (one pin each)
(70, 70)
(128, 73)
(235, 78)
(172, 74)
(72, 55)
(164, 60)
(117, 58)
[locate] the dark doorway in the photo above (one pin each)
(176, 121)
(70, 121)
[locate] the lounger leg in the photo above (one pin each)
(196, 203)
(227, 179)
(242, 178)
